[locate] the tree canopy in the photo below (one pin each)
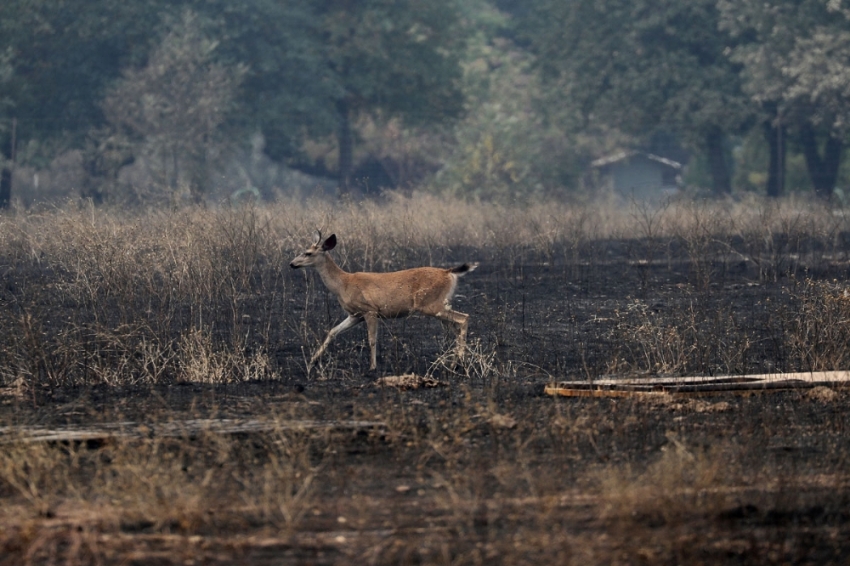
(502, 98)
(398, 56)
(643, 67)
(795, 57)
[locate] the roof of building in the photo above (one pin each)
(623, 155)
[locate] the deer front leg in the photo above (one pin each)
(349, 322)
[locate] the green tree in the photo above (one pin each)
(65, 55)
(288, 91)
(795, 58)
(399, 57)
(642, 66)
(176, 104)
(504, 148)
(311, 68)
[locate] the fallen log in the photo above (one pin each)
(172, 429)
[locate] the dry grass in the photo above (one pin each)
(473, 477)
(680, 483)
(481, 470)
(818, 332)
(105, 296)
(184, 486)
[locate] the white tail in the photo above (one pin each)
(370, 296)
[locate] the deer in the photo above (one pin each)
(368, 297)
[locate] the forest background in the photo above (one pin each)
(156, 102)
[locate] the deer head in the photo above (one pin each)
(315, 253)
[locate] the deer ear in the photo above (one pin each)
(317, 237)
(330, 243)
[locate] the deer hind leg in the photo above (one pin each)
(461, 321)
(349, 322)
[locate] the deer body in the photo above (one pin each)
(367, 297)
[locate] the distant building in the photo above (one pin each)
(638, 175)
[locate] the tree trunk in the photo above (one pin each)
(5, 187)
(345, 147)
(775, 136)
(93, 181)
(7, 172)
(717, 162)
(823, 171)
(198, 172)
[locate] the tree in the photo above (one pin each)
(503, 148)
(397, 56)
(175, 104)
(795, 58)
(312, 68)
(65, 55)
(68, 55)
(288, 90)
(643, 66)
(6, 124)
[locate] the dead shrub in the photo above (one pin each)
(201, 361)
(152, 486)
(61, 499)
(818, 331)
(686, 339)
(681, 482)
(822, 394)
(33, 472)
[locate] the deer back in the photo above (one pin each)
(399, 293)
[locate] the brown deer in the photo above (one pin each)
(367, 297)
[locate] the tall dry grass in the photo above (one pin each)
(97, 295)
(65, 503)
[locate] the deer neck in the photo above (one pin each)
(332, 275)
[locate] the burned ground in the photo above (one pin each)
(271, 465)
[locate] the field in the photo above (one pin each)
(156, 408)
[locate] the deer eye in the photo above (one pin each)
(308, 253)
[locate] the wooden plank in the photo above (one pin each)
(698, 385)
(615, 393)
(818, 376)
(567, 392)
(754, 386)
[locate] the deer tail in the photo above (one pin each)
(463, 269)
